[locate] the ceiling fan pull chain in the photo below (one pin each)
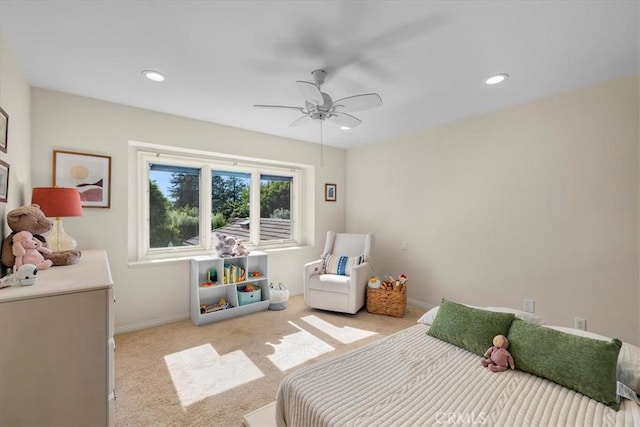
(321, 146)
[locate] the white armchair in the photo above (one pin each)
(339, 292)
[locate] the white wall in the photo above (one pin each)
(15, 96)
(538, 201)
(155, 294)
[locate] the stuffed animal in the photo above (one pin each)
(28, 250)
(497, 358)
(225, 246)
(374, 282)
(239, 249)
(32, 219)
(24, 276)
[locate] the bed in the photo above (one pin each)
(414, 379)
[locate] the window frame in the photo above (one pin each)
(207, 164)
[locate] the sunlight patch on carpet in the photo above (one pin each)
(345, 334)
(296, 348)
(200, 372)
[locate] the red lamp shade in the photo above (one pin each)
(57, 201)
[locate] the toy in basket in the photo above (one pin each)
(389, 298)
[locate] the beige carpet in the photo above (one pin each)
(212, 375)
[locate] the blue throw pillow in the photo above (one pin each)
(340, 264)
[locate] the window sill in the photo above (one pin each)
(186, 258)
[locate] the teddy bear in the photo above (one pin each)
(30, 218)
(497, 358)
(225, 246)
(240, 249)
(29, 250)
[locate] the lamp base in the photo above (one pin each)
(59, 240)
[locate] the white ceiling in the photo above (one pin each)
(427, 59)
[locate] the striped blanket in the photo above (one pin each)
(412, 379)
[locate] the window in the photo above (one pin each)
(231, 203)
(174, 205)
(275, 207)
(185, 201)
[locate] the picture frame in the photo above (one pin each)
(4, 130)
(4, 181)
(89, 173)
(330, 192)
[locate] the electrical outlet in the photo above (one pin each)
(580, 323)
(529, 306)
(405, 245)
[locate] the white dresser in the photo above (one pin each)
(56, 347)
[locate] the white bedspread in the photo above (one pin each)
(412, 379)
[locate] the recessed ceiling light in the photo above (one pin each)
(153, 75)
(498, 78)
(345, 128)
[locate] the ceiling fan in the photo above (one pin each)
(320, 106)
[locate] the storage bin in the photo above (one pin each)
(245, 298)
(279, 296)
(389, 302)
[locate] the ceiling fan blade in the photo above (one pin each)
(301, 121)
(284, 107)
(344, 120)
(359, 102)
(310, 92)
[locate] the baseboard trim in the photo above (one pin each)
(151, 323)
(421, 304)
(170, 319)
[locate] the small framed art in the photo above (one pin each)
(4, 130)
(330, 192)
(4, 181)
(89, 173)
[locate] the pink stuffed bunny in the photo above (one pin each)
(28, 250)
(497, 358)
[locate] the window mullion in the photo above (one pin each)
(205, 204)
(143, 204)
(254, 208)
(296, 208)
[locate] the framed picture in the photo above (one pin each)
(4, 129)
(89, 173)
(4, 181)
(330, 192)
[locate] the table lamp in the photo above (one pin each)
(58, 202)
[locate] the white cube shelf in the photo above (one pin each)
(208, 295)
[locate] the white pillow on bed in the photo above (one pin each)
(628, 368)
(522, 315)
(428, 317)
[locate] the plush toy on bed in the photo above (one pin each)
(497, 358)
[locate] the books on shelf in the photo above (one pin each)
(233, 274)
(210, 308)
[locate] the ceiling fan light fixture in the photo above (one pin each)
(154, 75)
(498, 78)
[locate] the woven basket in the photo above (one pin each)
(391, 303)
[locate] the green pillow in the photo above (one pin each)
(582, 364)
(470, 328)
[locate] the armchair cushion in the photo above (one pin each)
(340, 264)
